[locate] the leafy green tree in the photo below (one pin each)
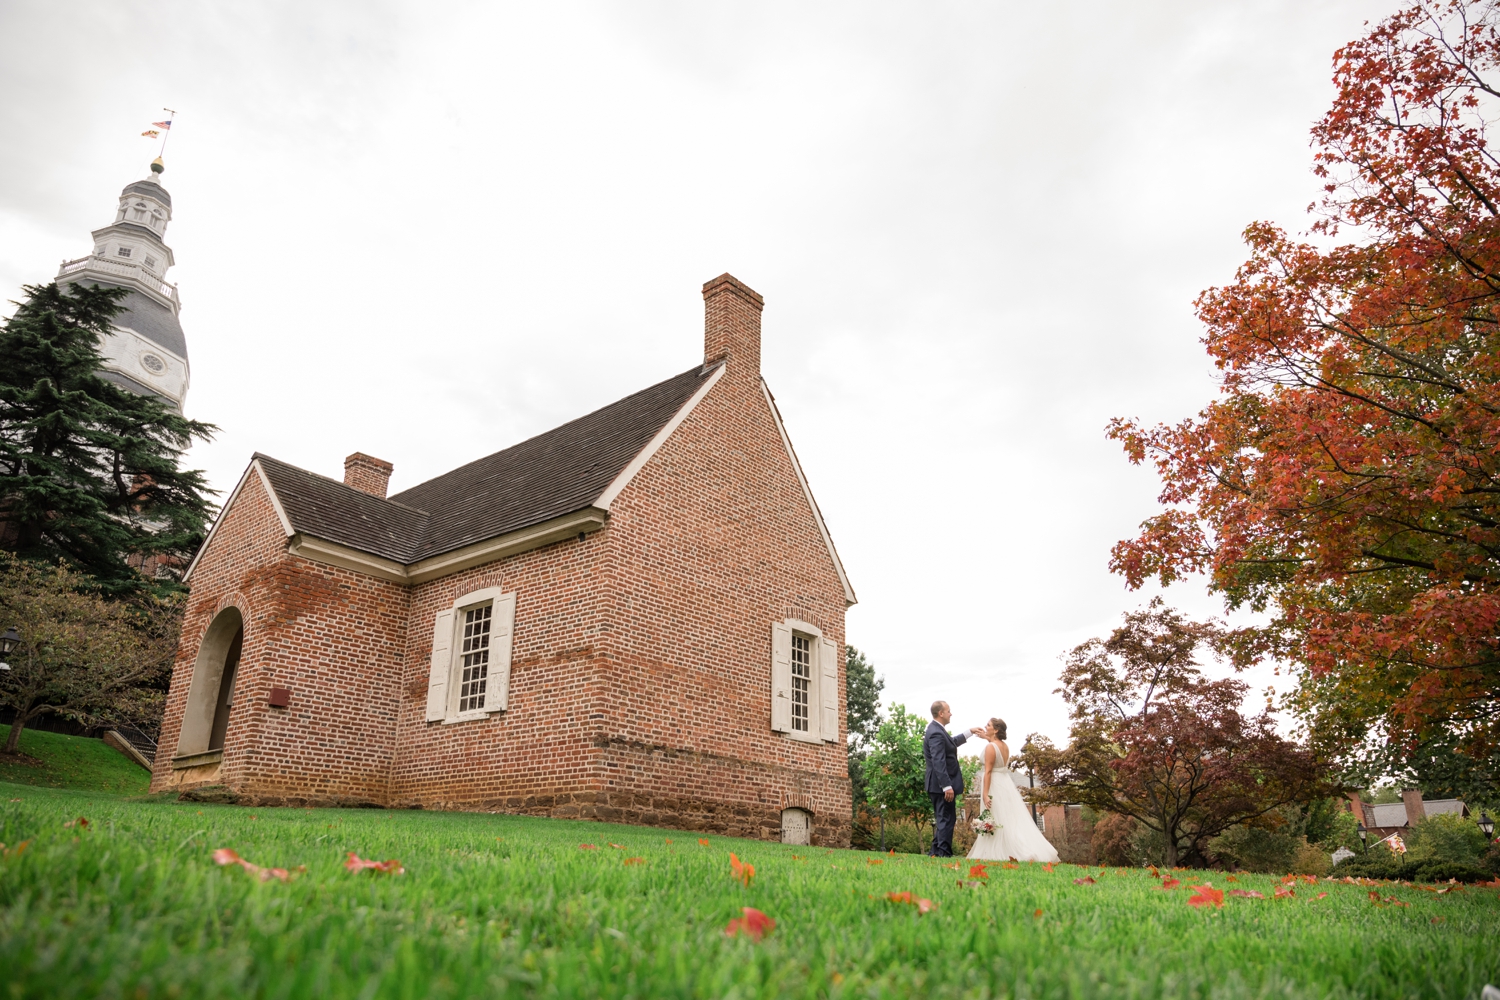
(895, 768)
(89, 471)
(82, 656)
(862, 696)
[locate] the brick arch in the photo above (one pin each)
(225, 630)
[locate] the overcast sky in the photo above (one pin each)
(429, 231)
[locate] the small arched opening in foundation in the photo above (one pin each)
(205, 721)
(796, 826)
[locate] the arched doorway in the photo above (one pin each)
(205, 721)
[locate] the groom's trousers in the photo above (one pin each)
(944, 815)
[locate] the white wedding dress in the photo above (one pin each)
(1016, 835)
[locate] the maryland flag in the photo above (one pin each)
(1397, 844)
(151, 133)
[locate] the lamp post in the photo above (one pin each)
(1486, 825)
(1364, 839)
(9, 639)
(882, 827)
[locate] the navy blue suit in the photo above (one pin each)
(941, 752)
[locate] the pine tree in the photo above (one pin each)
(89, 471)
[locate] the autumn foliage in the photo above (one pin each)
(1153, 739)
(1347, 479)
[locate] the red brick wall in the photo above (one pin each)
(334, 637)
(640, 681)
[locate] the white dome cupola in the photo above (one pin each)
(147, 352)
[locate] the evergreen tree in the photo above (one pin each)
(89, 471)
(862, 696)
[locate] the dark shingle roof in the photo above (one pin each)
(559, 472)
(148, 187)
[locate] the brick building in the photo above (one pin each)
(636, 616)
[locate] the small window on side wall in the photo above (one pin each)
(804, 682)
(469, 670)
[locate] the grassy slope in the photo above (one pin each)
(509, 906)
(73, 762)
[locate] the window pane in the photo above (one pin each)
(476, 659)
(801, 681)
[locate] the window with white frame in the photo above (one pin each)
(469, 672)
(122, 252)
(802, 681)
(476, 658)
(805, 682)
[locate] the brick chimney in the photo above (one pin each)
(731, 324)
(1415, 811)
(367, 474)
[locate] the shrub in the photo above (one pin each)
(1311, 859)
(1448, 837)
(1385, 865)
(1257, 849)
(1113, 840)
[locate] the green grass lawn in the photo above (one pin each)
(133, 906)
(73, 762)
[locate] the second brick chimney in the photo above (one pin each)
(367, 474)
(731, 324)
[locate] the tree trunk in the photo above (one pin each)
(13, 741)
(1170, 857)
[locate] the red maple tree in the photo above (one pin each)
(1347, 479)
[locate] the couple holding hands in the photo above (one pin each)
(1005, 828)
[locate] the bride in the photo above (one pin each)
(1016, 837)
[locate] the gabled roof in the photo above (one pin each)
(567, 469)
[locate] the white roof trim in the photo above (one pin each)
(628, 473)
(286, 525)
(838, 564)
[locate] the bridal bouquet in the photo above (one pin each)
(983, 824)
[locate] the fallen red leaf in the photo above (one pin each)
(977, 871)
(1282, 891)
(1320, 895)
(702, 841)
(875, 861)
(1230, 878)
(754, 924)
(1037, 915)
(1170, 883)
(225, 856)
(80, 822)
(742, 872)
(1246, 893)
(1206, 895)
(587, 847)
(1008, 865)
(1047, 867)
(907, 898)
(1086, 880)
(355, 863)
(1153, 871)
(635, 861)
(618, 847)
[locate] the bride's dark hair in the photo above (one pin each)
(999, 725)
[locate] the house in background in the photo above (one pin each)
(1394, 817)
(637, 616)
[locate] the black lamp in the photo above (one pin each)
(1486, 824)
(9, 639)
(1364, 837)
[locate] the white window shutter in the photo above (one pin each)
(502, 633)
(828, 688)
(781, 677)
(440, 667)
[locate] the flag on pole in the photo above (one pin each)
(162, 124)
(151, 133)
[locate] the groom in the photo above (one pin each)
(945, 781)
